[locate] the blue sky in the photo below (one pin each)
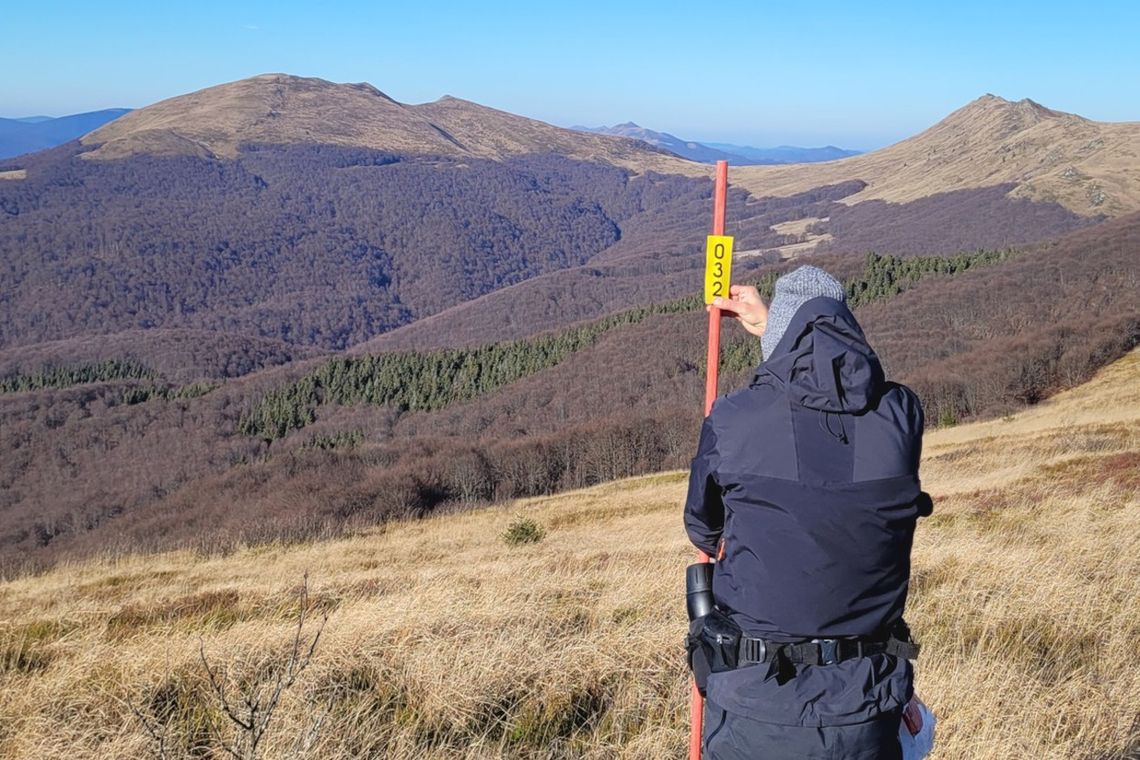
(855, 74)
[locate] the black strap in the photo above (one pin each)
(906, 650)
(822, 651)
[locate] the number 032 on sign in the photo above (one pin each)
(718, 267)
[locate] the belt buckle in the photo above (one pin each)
(828, 650)
(755, 650)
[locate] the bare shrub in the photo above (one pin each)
(230, 706)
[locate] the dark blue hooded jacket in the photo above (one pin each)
(809, 476)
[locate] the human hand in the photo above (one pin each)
(746, 307)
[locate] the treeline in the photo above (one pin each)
(887, 276)
(426, 381)
(142, 393)
(986, 343)
(65, 377)
(882, 278)
(178, 356)
(103, 372)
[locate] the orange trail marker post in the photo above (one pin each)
(719, 252)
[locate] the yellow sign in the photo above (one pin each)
(718, 267)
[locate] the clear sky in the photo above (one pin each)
(854, 74)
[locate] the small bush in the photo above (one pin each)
(523, 530)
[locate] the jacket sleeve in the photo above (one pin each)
(925, 503)
(704, 510)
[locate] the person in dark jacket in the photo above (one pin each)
(805, 489)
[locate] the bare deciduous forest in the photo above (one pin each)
(107, 466)
(330, 246)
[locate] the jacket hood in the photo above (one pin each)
(823, 360)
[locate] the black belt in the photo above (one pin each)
(821, 651)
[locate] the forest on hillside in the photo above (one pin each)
(85, 470)
(306, 244)
(323, 246)
(178, 355)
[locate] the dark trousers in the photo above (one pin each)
(734, 737)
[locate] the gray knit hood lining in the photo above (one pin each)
(793, 290)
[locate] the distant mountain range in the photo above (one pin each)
(786, 154)
(33, 133)
(707, 153)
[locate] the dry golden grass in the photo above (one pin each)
(443, 641)
(1086, 166)
(278, 108)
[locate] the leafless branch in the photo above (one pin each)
(257, 706)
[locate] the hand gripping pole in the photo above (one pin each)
(720, 194)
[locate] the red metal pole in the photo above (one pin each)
(720, 194)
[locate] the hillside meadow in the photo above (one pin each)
(438, 638)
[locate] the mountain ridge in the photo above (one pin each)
(709, 152)
(471, 210)
(285, 109)
(1086, 166)
(1091, 168)
(36, 133)
(690, 149)
(787, 154)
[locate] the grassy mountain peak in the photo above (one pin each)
(281, 109)
(1089, 167)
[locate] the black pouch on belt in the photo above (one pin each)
(713, 646)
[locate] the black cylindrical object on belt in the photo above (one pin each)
(698, 589)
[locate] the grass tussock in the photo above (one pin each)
(26, 647)
(442, 641)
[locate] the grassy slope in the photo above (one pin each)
(987, 142)
(444, 642)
